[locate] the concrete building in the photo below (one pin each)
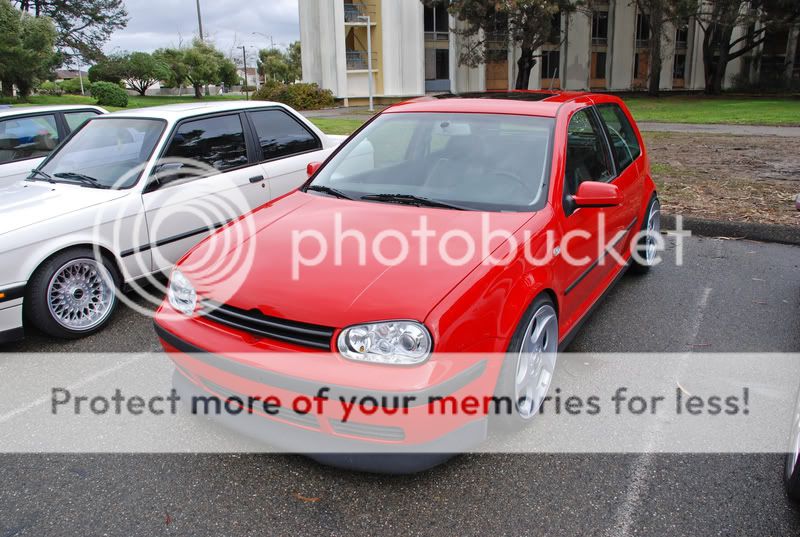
(414, 51)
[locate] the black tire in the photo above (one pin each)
(792, 465)
(35, 305)
(504, 421)
(638, 264)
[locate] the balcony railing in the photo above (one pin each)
(601, 41)
(642, 43)
(358, 60)
(353, 12)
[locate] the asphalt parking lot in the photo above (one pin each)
(729, 296)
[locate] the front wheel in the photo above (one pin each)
(529, 364)
(72, 294)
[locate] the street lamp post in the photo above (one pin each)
(244, 60)
(369, 60)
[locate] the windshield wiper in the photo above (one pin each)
(328, 190)
(410, 199)
(39, 173)
(81, 178)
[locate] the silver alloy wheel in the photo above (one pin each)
(80, 294)
(653, 229)
(794, 447)
(536, 361)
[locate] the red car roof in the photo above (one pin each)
(518, 102)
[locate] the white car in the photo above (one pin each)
(30, 133)
(128, 193)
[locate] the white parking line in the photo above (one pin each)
(84, 381)
(624, 519)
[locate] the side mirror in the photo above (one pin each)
(312, 168)
(596, 194)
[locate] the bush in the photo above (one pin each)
(73, 86)
(49, 88)
(108, 94)
(299, 96)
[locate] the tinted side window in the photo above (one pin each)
(76, 119)
(280, 135)
(217, 142)
(587, 158)
(623, 139)
(27, 137)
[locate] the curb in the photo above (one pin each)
(739, 230)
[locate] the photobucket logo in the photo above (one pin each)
(485, 244)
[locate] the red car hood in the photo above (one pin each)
(341, 292)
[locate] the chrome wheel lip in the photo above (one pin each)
(794, 447)
(536, 362)
(80, 294)
(653, 228)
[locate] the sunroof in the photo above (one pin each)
(503, 95)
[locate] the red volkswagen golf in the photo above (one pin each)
(445, 252)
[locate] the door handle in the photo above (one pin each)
(257, 179)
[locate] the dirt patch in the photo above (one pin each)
(724, 177)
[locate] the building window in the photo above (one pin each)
(642, 30)
(599, 65)
(682, 36)
(679, 67)
(550, 62)
(600, 28)
(442, 64)
(555, 29)
(437, 22)
(636, 65)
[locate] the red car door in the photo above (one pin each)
(581, 263)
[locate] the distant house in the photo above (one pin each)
(68, 74)
(252, 75)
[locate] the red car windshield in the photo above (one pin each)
(485, 162)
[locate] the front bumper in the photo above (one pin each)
(11, 314)
(365, 441)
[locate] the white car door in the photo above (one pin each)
(205, 178)
(286, 146)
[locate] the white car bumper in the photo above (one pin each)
(11, 314)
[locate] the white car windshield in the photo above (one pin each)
(104, 153)
(488, 162)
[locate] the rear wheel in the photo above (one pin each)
(792, 472)
(72, 294)
(529, 364)
(647, 245)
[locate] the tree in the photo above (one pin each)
(83, 26)
(659, 13)
(228, 73)
(274, 65)
(173, 59)
(26, 49)
(206, 65)
(719, 19)
(141, 70)
(109, 69)
(527, 24)
(295, 61)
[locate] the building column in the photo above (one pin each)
(622, 50)
(667, 55)
(578, 52)
(791, 53)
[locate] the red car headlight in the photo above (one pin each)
(389, 342)
(181, 293)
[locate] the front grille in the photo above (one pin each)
(258, 324)
(378, 432)
(286, 414)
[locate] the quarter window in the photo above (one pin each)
(76, 119)
(27, 137)
(280, 135)
(217, 142)
(587, 158)
(623, 139)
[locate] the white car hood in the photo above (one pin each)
(24, 203)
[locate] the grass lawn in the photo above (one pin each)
(700, 109)
(337, 126)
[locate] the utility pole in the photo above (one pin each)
(199, 21)
(244, 59)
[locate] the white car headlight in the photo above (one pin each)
(181, 293)
(390, 342)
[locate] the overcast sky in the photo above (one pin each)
(229, 23)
